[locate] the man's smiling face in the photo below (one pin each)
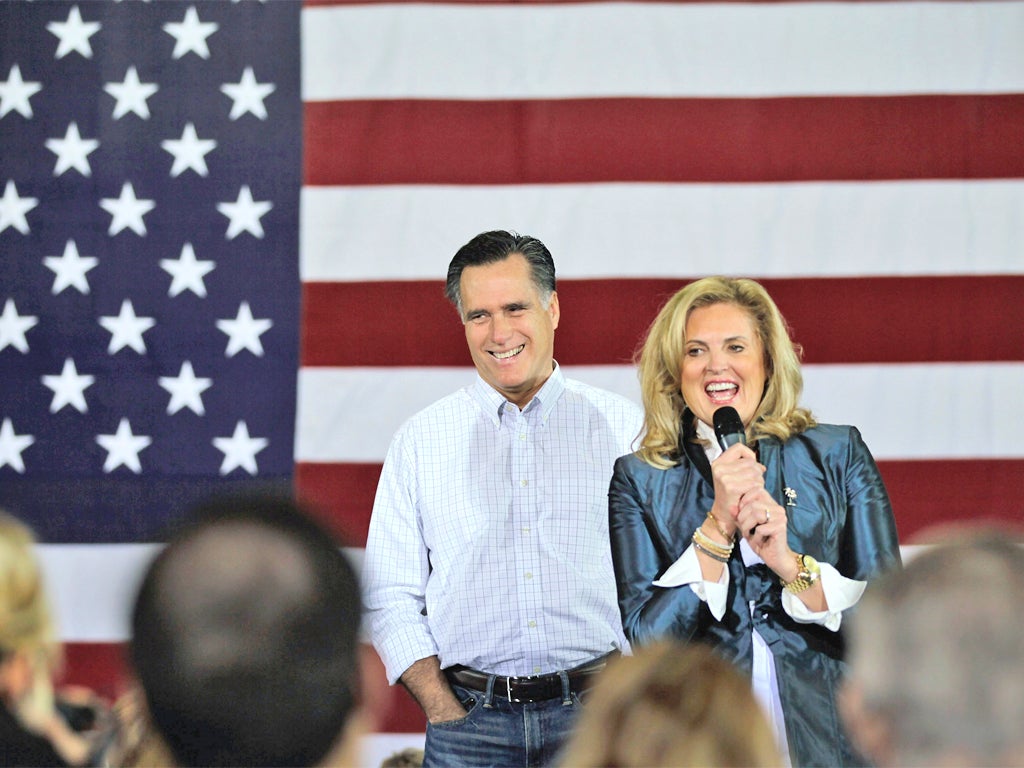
(510, 333)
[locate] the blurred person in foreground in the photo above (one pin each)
(671, 704)
(488, 575)
(245, 640)
(34, 725)
(759, 549)
(936, 660)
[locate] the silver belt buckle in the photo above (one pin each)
(508, 688)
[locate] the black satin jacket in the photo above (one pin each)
(841, 515)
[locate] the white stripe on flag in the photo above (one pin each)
(476, 51)
(653, 230)
(906, 411)
(93, 587)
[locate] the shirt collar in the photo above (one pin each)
(493, 402)
(713, 450)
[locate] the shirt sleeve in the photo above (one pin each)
(686, 570)
(396, 566)
(841, 593)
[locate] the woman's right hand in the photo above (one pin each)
(736, 472)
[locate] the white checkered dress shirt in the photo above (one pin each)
(488, 544)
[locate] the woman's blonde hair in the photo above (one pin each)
(671, 704)
(25, 619)
(661, 357)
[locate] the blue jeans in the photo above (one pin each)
(497, 732)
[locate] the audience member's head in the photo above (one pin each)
(26, 628)
(936, 656)
(35, 731)
(245, 639)
(671, 704)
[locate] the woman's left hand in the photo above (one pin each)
(762, 522)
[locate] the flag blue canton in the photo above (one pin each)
(149, 290)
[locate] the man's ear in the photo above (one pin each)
(553, 309)
(870, 733)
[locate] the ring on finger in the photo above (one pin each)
(767, 515)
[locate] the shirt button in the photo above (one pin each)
(526, 529)
(529, 575)
(524, 483)
(522, 436)
(531, 623)
(536, 670)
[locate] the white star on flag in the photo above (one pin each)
(13, 327)
(187, 272)
(127, 211)
(248, 95)
(245, 214)
(190, 34)
(11, 446)
(72, 151)
(123, 447)
(69, 388)
(189, 151)
(185, 390)
(70, 269)
(126, 329)
(74, 34)
(15, 93)
(244, 331)
(14, 208)
(131, 95)
(240, 450)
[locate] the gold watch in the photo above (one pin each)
(809, 573)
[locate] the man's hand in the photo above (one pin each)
(428, 685)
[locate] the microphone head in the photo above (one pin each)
(729, 427)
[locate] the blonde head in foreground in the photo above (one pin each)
(671, 704)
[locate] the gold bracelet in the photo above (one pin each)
(702, 540)
(718, 527)
(709, 543)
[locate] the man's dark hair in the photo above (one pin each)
(498, 245)
(245, 636)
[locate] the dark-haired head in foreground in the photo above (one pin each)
(245, 638)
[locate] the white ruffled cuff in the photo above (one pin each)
(686, 570)
(840, 593)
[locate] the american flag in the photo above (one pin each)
(865, 161)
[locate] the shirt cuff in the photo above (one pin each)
(686, 570)
(840, 593)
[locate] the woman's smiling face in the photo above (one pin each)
(723, 362)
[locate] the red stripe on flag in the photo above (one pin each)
(668, 140)
(102, 667)
(922, 492)
(937, 491)
(837, 320)
(340, 495)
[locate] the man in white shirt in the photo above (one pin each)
(488, 577)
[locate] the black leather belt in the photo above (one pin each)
(529, 689)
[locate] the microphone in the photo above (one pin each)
(729, 427)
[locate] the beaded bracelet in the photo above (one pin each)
(712, 555)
